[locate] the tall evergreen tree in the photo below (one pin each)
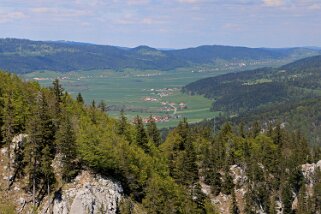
(46, 169)
(58, 94)
(8, 132)
(40, 135)
(79, 98)
(65, 141)
(228, 185)
(241, 130)
(153, 132)
(256, 129)
(123, 127)
(93, 104)
(141, 136)
(234, 208)
(102, 106)
(58, 90)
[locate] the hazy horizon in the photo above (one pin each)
(171, 24)
(159, 48)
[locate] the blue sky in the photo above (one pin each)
(165, 23)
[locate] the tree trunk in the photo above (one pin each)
(9, 164)
(48, 191)
(34, 183)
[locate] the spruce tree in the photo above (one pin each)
(123, 127)
(46, 168)
(8, 132)
(58, 90)
(286, 194)
(102, 106)
(58, 94)
(65, 141)
(93, 104)
(153, 132)
(122, 123)
(79, 98)
(189, 168)
(40, 136)
(141, 136)
(256, 129)
(228, 184)
(241, 130)
(234, 208)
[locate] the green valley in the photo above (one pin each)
(143, 93)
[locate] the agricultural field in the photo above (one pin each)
(143, 93)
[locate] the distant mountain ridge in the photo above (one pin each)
(22, 56)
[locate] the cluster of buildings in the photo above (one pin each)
(163, 118)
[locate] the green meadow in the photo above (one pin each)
(129, 88)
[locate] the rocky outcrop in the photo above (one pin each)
(87, 194)
(309, 170)
(222, 202)
(14, 149)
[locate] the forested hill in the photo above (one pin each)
(236, 170)
(20, 55)
(246, 90)
(289, 94)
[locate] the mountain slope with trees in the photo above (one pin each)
(289, 94)
(157, 177)
(22, 56)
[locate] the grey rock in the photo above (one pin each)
(96, 195)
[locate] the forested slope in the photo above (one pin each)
(21, 56)
(187, 173)
(289, 94)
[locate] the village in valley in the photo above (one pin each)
(159, 96)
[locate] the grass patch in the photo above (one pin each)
(130, 87)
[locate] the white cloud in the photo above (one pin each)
(137, 2)
(132, 20)
(189, 1)
(11, 16)
(273, 3)
(41, 10)
(232, 26)
(60, 12)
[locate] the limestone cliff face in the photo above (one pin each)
(222, 202)
(87, 194)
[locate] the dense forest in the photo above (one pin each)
(288, 94)
(158, 176)
(21, 56)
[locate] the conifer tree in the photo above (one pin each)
(286, 194)
(189, 168)
(40, 135)
(93, 104)
(58, 94)
(79, 98)
(228, 184)
(234, 208)
(65, 141)
(122, 123)
(317, 190)
(272, 205)
(123, 126)
(46, 168)
(256, 129)
(58, 90)
(8, 132)
(141, 136)
(241, 130)
(102, 106)
(153, 132)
